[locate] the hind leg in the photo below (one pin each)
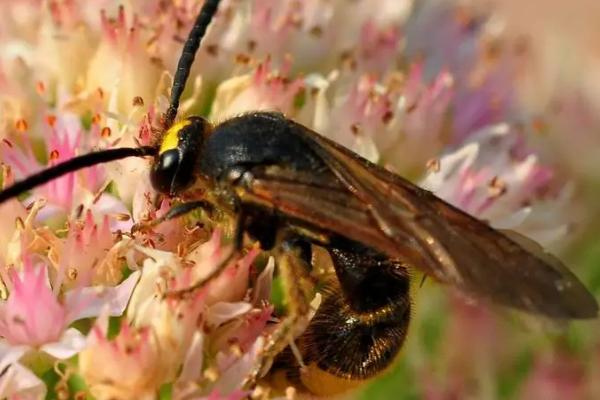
(293, 270)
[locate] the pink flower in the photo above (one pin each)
(63, 30)
(129, 366)
(363, 109)
(320, 34)
(66, 139)
(265, 89)
(14, 208)
(83, 254)
(26, 237)
(34, 317)
(494, 178)
(121, 67)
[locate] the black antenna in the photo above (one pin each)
(209, 8)
(74, 164)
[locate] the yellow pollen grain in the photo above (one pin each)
(72, 274)
(171, 138)
(211, 374)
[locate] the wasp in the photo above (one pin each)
(292, 190)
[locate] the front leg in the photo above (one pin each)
(227, 200)
(176, 211)
(238, 243)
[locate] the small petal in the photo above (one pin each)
(15, 379)
(17, 382)
(262, 287)
(232, 377)
(90, 301)
(10, 354)
(71, 342)
(192, 366)
(222, 312)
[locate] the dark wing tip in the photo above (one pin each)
(577, 302)
(571, 300)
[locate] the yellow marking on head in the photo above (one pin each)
(171, 138)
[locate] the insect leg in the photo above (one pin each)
(238, 242)
(359, 328)
(174, 212)
(293, 270)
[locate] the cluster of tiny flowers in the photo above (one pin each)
(85, 298)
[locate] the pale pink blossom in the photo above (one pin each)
(66, 139)
(9, 231)
(62, 31)
(493, 177)
(385, 121)
(377, 46)
(32, 314)
(364, 114)
(27, 236)
(128, 366)
(34, 317)
(121, 66)
(316, 34)
(83, 254)
(265, 89)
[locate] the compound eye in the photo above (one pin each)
(164, 171)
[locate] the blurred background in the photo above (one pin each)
(458, 350)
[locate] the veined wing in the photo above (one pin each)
(378, 208)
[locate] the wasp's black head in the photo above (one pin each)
(175, 164)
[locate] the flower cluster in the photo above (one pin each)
(87, 300)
